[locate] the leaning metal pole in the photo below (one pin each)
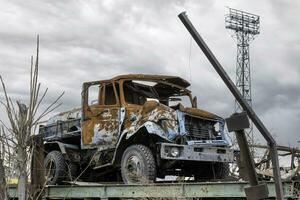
(238, 122)
(231, 86)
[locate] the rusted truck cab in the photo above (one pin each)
(144, 126)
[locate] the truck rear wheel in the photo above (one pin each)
(55, 166)
(138, 165)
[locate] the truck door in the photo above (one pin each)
(100, 123)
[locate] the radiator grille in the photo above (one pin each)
(198, 129)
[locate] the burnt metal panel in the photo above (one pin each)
(196, 153)
(257, 192)
(102, 128)
(147, 77)
(237, 121)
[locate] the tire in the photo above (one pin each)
(56, 168)
(138, 165)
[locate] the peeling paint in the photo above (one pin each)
(102, 135)
(163, 116)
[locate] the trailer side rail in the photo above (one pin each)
(164, 190)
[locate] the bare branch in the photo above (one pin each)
(22, 121)
(50, 108)
(40, 101)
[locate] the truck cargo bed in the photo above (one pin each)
(61, 130)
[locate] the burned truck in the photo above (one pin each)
(135, 128)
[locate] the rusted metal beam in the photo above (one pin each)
(279, 148)
(237, 123)
(212, 190)
(238, 96)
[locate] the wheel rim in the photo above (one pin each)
(50, 170)
(134, 168)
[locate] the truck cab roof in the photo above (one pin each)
(147, 77)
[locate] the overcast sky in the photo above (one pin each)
(93, 40)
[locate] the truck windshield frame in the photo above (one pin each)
(161, 91)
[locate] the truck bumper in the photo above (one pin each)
(204, 153)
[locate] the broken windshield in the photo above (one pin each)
(138, 92)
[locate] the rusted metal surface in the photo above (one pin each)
(143, 109)
(169, 79)
(102, 124)
(102, 128)
(153, 111)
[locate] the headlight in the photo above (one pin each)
(174, 151)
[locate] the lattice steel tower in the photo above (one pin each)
(245, 27)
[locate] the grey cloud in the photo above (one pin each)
(90, 40)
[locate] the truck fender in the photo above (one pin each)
(124, 141)
(59, 146)
(152, 128)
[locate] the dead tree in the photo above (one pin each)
(3, 193)
(5, 162)
(23, 120)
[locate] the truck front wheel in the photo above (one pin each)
(55, 166)
(138, 165)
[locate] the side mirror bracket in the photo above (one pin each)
(194, 102)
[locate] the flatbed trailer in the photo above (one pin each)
(182, 190)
